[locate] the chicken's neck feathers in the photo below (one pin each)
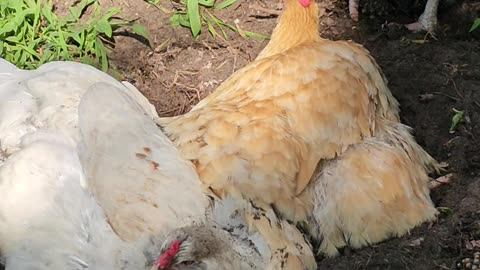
(296, 25)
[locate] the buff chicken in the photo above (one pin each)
(309, 133)
(88, 181)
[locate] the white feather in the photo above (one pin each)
(80, 154)
(136, 174)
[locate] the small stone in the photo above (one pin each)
(476, 261)
(474, 267)
(468, 265)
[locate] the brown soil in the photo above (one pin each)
(429, 78)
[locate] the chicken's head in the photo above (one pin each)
(180, 247)
(166, 258)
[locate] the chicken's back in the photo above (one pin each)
(134, 170)
(263, 131)
(49, 221)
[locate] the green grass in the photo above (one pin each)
(32, 34)
(197, 16)
(475, 24)
(456, 119)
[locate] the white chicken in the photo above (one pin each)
(76, 193)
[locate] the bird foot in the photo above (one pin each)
(428, 20)
(415, 27)
(440, 181)
(396, 29)
(418, 26)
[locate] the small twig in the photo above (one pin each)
(183, 72)
(446, 95)
(155, 74)
(169, 110)
(222, 64)
(476, 102)
(209, 48)
(107, 41)
(441, 266)
(456, 89)
(368, 261)
(191, 89)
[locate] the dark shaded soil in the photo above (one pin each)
(429, 78)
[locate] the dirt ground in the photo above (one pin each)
(429, 78)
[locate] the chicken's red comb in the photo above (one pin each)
(164, 260)
(305, 3)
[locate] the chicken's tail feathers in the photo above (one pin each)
(399, 134)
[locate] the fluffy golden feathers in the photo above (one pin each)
(265, 129)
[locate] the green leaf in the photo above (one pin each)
(184, 21)
(8, 27)
(194, 17)
(12, 39)
(30, 51)
(255, 35)
(206, 3)
(76, 36)
(104, 27)
(445, 210)
(61, 41)
(75, 12)
(111, 12)
(220, 24)
(101, 52)
(140, 30)
(456, 119)
(46, 56)
(211, 29)
(225, 4)
(174, 20)
(48, 14)
(17, 53)
(475, 24)
(84, 4)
